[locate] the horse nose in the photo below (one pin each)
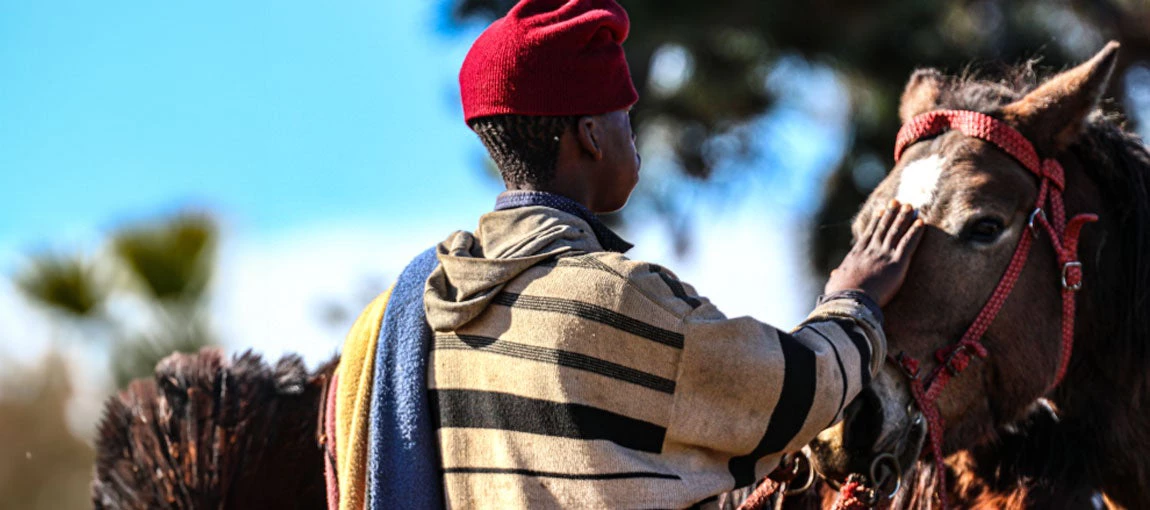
(862, 422)
(850, 445)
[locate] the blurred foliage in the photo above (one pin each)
(174, 260)
(722, 53)
(157, 272)
(142, 298)
(43, 466)
(64, 283)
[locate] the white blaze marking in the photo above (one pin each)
(919, 181)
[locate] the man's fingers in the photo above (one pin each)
(902, 222)
(884, 221)
(875, 220)
(867, 232)
(909, 242)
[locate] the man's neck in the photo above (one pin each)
(515, 198)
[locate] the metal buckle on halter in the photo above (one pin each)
(901, 359)
(949, 364)
(1033, 223)
(1076, 285)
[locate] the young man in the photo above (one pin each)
(560, 372)
(564, 373)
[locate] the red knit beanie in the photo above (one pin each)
(550, 57)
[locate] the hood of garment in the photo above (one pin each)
(475, 267)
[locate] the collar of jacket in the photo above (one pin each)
(522, 198)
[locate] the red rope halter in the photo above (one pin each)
(953, 359)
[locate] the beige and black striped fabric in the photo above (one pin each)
(565, 376)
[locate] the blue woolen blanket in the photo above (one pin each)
(403, 451)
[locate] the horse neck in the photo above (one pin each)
(1101, 401)
(1096, 446)
(1101, 438)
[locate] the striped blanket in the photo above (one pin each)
(566, 375)
(563, 375)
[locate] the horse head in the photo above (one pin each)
(979, 203)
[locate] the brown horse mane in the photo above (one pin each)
(212, 432)
(1118, 161)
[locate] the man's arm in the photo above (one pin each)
(751, 390)
(747, 388)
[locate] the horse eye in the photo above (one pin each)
(984, 230)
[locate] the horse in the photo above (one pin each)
(1047, 413)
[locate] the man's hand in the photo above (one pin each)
(877, 263)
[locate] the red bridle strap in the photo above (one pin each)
(984, 127)
(953, 359)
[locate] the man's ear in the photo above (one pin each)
(921, 94)
(1052, 115)
(588, 130)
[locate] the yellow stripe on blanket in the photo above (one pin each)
(353, 404)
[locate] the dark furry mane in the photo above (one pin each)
(979, 90)
(213, 432)
(1119, 163)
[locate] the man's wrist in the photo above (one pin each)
(857, 295)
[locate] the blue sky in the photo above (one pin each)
(270, 113)
(327, 137)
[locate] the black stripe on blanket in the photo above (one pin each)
(854, 332)
(790, 412)
(842, 376)
(568, 476)
(556, 357)
(592, 313)
(502, 411)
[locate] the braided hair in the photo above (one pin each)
(524, 147)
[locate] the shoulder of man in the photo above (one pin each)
(657, 284)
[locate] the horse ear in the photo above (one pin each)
(1052, 115)
(921, 94)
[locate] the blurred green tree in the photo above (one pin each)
(160, 272)
(723, 53)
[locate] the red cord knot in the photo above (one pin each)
(853, 495)
(956, 358)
